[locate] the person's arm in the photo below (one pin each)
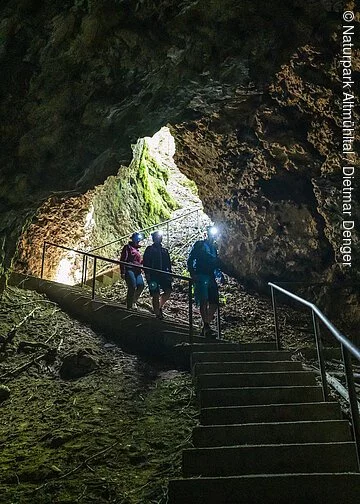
(169, 268)
(147, 261)
(190, 262)
(123, 257)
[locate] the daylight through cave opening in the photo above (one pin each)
(147, 193)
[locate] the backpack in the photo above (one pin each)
(201, 259)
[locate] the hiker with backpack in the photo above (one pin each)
(132, 274)
(203, 265)
(157, 257)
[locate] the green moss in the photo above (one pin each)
(135, 198)
(190, 184)
(151, 187)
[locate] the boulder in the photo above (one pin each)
(77, 364)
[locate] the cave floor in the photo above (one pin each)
(113, 435)
(116, 433)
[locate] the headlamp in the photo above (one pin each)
(213, 231)
(157, 234)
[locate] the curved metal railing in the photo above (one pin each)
(159, 224)
(348, 349)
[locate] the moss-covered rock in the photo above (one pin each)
(4, 393)
(135, 198)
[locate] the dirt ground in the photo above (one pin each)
(112, 435)
(114, 432)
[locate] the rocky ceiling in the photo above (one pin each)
(250, 89)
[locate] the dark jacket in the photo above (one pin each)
(157, 257)
(130, 254)
(203, 259)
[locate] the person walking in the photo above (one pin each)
(204, 267)
(157, 257)
(132, 274)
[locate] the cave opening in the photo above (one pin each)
(151, 192)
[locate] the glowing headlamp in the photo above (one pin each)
(213, 231)
(157, 234)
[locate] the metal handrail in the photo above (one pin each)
(347, 347)
(124, 263)
(167, 222)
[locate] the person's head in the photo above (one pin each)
(136, 239)
(157, 237)
(211, 233)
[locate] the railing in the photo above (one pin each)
(114, 261)
(158, 225)
(348, 350)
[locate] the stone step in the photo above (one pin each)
(244, 356)
(215, 397)
(243, 347)
(283, 378)
(270, 459)
(271, 413)
(271, 433)
(333, 488)
(220, 345)
(245, 367)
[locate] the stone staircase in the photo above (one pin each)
(265, 436)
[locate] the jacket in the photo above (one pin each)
(157, 257)
(203, 259)
(130, 254)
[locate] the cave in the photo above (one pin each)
(118, 116)
(150, 194)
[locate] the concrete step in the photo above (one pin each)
(333, 488)
(215, 397)
(221, 346)
(248, 347)
(244, 356)
(270, 459)
(271, 433)
(245, 367)
(284, 378)
(270, 413)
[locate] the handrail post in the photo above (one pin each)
(93, 280)
(198, 220)
(83, 271)
(218, 322)
(167, 235)
(43, 260)
(277, 335)
(320, 354)
(86, 266)
(190, 312)
(355, 416)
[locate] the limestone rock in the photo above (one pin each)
(4, 393)
(76, 365)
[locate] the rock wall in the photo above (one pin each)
(133, 199)
(268, 167)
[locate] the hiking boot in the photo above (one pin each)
(209, 333)
(206, 330)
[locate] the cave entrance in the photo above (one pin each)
(169, 201)
(147, 194)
